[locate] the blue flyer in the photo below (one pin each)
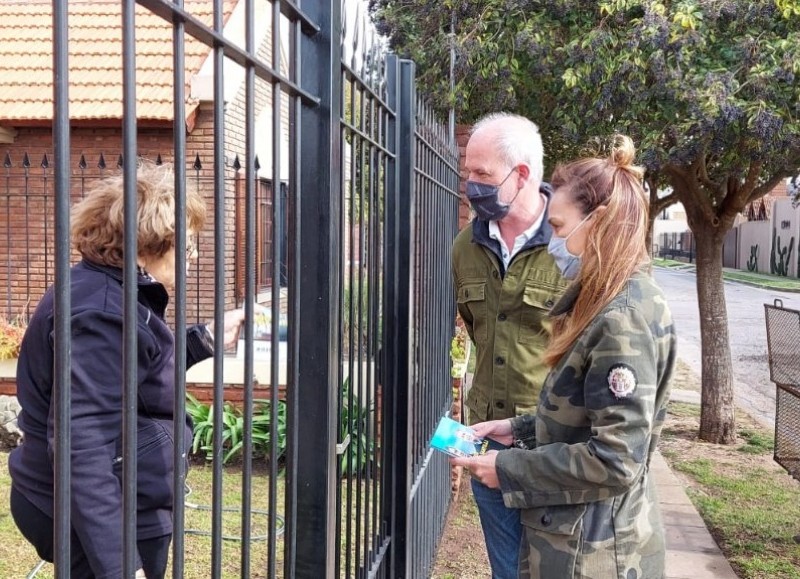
(456, 439)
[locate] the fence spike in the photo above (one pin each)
(197, 164)
(7, 160)
(236, 164)
(101, 164)
(45, 162)
(257, 164)
(26, 162)
(82, 163)
(158, 160)
(119, 161)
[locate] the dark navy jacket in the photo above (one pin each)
(96, 411)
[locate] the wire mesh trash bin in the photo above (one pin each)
(783, 340)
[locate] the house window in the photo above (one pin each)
(263, 232)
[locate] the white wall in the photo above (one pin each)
(785, 221)
(752, 234)
(234, 77)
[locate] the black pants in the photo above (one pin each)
(37, 528)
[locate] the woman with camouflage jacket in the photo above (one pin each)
(580, 471)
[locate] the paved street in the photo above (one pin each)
(748, 335)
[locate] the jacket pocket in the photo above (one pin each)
(554, 536)
(472, 296)
(154, 456)
(478, 405)
(534, 325)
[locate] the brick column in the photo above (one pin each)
(462, 136)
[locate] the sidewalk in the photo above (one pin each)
(692, 552)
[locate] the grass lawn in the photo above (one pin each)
(666, 262)
(764, 280)
(748, 501)
(17, 557)
(776, 282)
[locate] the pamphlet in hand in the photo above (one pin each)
(456, 439)
(262, 335)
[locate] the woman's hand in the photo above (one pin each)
(481, 467)
(140, 574)
(232, 322)
(498, 430)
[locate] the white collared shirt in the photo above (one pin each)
(519, 242)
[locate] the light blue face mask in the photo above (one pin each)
(568, 263)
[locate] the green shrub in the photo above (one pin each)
(233, 429)
(353, 421)
(361, 449)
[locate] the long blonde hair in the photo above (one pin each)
(616, 244)
(97, 220)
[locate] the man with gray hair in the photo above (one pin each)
(506, 283)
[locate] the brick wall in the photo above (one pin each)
(462, 137)
(27, 251)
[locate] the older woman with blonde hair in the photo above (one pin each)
(579, 472)
(96, 319)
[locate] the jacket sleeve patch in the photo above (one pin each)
(622, 380)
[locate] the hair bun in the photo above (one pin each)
(623, 153)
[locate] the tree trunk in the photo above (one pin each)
(717, 418)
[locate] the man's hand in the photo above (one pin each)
(481, 467)
(498, 430)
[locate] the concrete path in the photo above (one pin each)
(692, 552)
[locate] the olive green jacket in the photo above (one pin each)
(506, 315)
(582, 481)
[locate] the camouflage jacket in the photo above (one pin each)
(581, 478)
(506, 315)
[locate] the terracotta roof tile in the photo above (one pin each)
(95, 60)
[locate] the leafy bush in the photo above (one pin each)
(458, 352)
(356, 318)
(11, 333)
(233, 428)
(353, 421)
(361, 449)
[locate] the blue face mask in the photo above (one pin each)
(568, 263)
(484, 199)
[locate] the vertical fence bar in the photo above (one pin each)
(404, 274)
(277, 234)
(7, 166)
(45, 164)
(26, 164)
(388, 356)
(318, 290)
(293, 337)
(181, 234)
(219, 296)
(62, 387)
(129, 355)
(249, 293)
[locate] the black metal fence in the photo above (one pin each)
(28, 238)
(370, 211)
(675, 245)
(783, 336)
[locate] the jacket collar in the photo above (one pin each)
(152, 293)
(480, 230)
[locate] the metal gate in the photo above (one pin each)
(783, 337)
(361, 240)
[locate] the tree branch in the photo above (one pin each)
(702, 174)
(686, 183)
(664, 202)
(736, 200)
(768, 186)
